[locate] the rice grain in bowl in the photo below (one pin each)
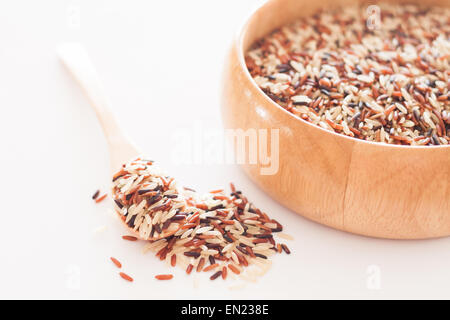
(365, 187)
(380, 76)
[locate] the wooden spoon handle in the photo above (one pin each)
(76, 59)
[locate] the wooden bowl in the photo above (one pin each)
(367, 188)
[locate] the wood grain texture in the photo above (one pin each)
(353, 185)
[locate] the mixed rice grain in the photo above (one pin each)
(147, 200)
(386, 84)
(226, 231)
(126, 277)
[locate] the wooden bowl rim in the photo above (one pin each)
(241, 57)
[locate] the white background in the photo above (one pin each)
(160, 62)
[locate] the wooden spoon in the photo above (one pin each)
(75, 57)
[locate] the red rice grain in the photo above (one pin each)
(224, 272)
(234, 269)
(101, 198)
(286, 249)
(215, 275)
(96, 194)
(129, 238)
(126, 277)
(116, 262)
(164, 277)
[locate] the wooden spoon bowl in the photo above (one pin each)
(367, 188)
